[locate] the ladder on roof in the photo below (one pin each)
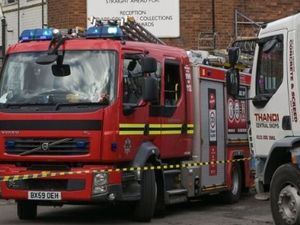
(136, 32)
(131, 29)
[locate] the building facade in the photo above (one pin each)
(23, 14)
(202, 23)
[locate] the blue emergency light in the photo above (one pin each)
(36, 35)
(104, 32)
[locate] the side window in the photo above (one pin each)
(157, 76)
(172, 90)
(270, 65)
(132, 81)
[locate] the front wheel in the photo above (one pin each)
(144, 208)
(284, 195)
(27, 210)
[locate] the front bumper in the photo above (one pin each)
(73, 188)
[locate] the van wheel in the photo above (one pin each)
(27, 210)
(234, 194)
(284, 195)
(144, 208)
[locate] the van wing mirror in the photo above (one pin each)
(150, 90)
(46, 59)
(149, 65)
(233, 55)
(233, 82)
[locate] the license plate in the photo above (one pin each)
(44, 195)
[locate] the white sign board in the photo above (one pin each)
(160, 17)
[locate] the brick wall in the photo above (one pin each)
(195, 17)
(66, 13)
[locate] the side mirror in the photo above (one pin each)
(46, 59)
(150, 90)
(61, 70)
(233, 55)
(233, 82)
(149, 65)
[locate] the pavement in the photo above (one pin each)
(248, 211)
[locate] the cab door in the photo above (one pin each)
(173, 110)
(270, 108)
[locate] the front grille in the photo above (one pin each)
(71, 146)
(47, 185)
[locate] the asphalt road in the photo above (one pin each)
(210, 212)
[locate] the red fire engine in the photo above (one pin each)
(110, 99)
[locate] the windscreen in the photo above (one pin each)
(92, 79)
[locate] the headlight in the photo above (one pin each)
(100, 190)
(100, 183)
(100, 179)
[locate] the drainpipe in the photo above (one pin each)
(18, 19)
(43, 12)
(3, 26)
(213, 13)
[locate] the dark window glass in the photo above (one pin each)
(172, 83)
(270, 66)
(133, 79)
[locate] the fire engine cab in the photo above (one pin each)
(117, 97)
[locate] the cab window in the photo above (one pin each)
(270, 65)
(132, 81)
(172, 87)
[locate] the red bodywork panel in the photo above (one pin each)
(108, 148)
(111, 116)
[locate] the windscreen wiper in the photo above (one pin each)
(7, 105)
(46, 148)
(58, 105)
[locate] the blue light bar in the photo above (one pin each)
(43, 34)
(27, 35)
(36, 35)
(114, 32)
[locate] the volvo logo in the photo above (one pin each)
(45, 146)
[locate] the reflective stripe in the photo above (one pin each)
(155, 129)
(171, 132)
(154, 125)
(154, 132)
(131, 132)
(132, 125)
(171, 126)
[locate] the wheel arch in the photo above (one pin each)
(234, 155)
(147, 153)
(280, 154)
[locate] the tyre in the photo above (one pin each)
(27, 210)
(144, 208)
(284, 195)
(233, 195)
